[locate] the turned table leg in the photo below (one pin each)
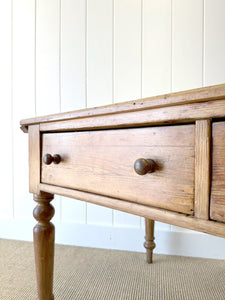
(149, 243)
(44, 236)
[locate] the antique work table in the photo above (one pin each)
(162, 158)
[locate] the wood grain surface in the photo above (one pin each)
(34, 158)
(149, 117)
(153, 213)
(173, 99)
(103, 162)
(202, 168)
(217, 206)
(44, 239)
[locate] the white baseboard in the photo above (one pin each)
(121, 238)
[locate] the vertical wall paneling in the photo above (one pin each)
(61, 55)
(127, 68)
(214, 42)
(127, 50)
(156, 60)
(187, 48)
(73, 17)
(23, 99)
(99, 52)
(6, 109)
(187, 44)
(122, 219)
(156, 55)
(47, 56)
(47, 63)
(72, 54)
(99, 75)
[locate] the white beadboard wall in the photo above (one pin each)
(61, 55)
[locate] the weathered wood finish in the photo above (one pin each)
(155, 116)
(34, 158)
(91, 158)
(174, 99)
(217, 206)
(98, 166)
(153, 213)
(44, 236)
(149, 243)
(202, 168)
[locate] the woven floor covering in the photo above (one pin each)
(96, 274)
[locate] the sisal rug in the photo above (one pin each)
(96, 274)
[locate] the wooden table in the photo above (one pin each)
(162, 158)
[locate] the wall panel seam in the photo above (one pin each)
(86, 68)
(113, 73)
(60, 60)
(35, 59)
(203, 43)
(86, 45)
(12, 129)
(113, 51)
(171, 61)
(60, 83)
(171, 57)
(142, 4)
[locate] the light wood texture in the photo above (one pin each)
(34, 158)
(157, 214)
(180, 98)
(149, 243)
(217, 205)
(159, 116)
(101, 166)
(44, 236)
(202, 168)
(91, 158)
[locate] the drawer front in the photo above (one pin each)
(102, 162)
(217, 205)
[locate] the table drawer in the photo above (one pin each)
(217, 205)
(102, 162)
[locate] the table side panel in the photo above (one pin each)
(34, 158)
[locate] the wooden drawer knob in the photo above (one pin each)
(48, 159)
(143, 166)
